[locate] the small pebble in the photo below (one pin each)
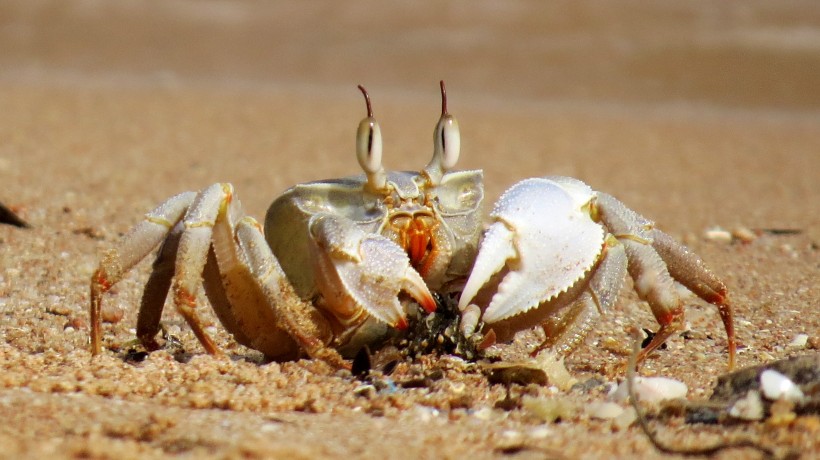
(75, 323)
(512, 435)
(799, 341)
(366, 391)
(426, 414)
(111, 314)
(782, 413)
(270, 428)
(777, 386)
(58, 309)
(540, 432)
(604, 410)
(651, 390)
(744, 235)
(485, 413)
(625, 420)
(548, 409)
(557, 373)
(718, 234)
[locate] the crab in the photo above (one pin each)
(342, 263)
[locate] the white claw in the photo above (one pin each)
(358, 270)
(543, 235)
(496, 250)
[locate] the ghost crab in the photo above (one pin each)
(339, 260)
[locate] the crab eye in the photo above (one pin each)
(448, 141)
(369, 146)
(446, 144)
(369, 149)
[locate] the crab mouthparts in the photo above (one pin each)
(418, 243)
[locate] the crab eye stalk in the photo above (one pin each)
(369, 148)
(446, 143)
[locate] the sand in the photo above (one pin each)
(697, 116)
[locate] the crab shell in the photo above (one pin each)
(438, 225)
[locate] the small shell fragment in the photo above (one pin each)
(799, 341)
(749, 407)
(744, 235)
(553, 365)
(776, 386)
(548, 409)
(718, 234)
(651, 390)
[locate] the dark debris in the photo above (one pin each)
(440, 333)
(7, 216)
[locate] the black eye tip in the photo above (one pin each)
(367, 101)
(443, 99)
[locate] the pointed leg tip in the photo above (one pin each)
(732, 356)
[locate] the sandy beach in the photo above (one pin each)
(699, 116)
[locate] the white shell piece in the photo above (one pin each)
(553, 365)
(604, 410)
(776, 386)
(555, 242)
(799, 341)
(651, 390)
(749, 407)
(718, 234)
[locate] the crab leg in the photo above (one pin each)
(156, 289)
(159, 283)
(248, 307)
(690, 270)
(208, 218)
(304, 323)
(193, 253)
(653, 280)
(143, 238)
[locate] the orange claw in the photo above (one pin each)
(428, 303)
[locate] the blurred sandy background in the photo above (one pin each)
(697, 114)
